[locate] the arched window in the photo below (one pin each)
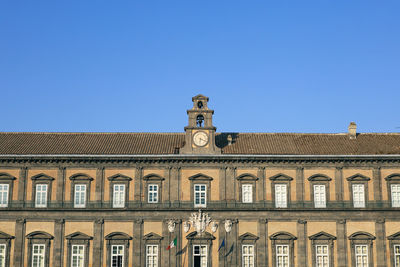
(200, 120)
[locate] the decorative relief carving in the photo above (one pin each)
(99, 221)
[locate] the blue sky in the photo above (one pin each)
(133, 66)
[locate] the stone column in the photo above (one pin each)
(380, 242)
(341, 235)
(302, 243)
(58, 242)
(262, 244)
(300, 184)
(22, 185)
(60, 195)
(137, 245)
(261, 195)
(339, 183)
(99, 185)
(98, 236)
(19, 245)
(138, 184)
(377, 183)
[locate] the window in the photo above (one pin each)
(119, 196)
(152, 256)
(247, 193)
(358, 196)
(78, 258)
(319, 196)
(4, 196)
(248, 256)
(282, 255)
(200, 195)
(152, 193)
(199, 256)
(38, 254)
(361, 252)
(395, 192)
(117, 256)
(396, 252)
(322, 255)
(41, 196)
(280, 196)
(80, 196)
(2, 255)
(394, 245)
(322, 249)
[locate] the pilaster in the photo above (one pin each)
(22, 184)
(232, 245)
(376, 173)
(58, 242)
(137, 242)
(166, 188)
(380, 243)
(99, 184)
(261, 184)
(262, 244)
(230, 185)
(339, 183)
(164, 254)
(98, 243)
(302, 243)
(341, 235)
(19, 245)
(60, 195)
(222, 183)
(138, 184)
(300, 184)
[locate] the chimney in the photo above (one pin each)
(352, 130)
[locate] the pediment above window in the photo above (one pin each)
(200, 177)
(153, 177)
(81, 177)
(118, 236)
(393, 177)
(282, 236)
(203, 236)
(247, 177)
(6, 177)
(42, 177)
(395, 236)
(322, 236)
(119, 177)
(39, 235)
(5, 236)
(319, 177)
(78, 236)
(281, 177)
(152, 236)
(361, 236)
(358, 177)
(248, 236)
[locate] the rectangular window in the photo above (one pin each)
(2, 255)
(395, 191)
(152, 256)
(152, 193)
(319, 196)
(4, 195)
(200, 195)
(322, 256)
(248, 256)
(200, 256)
(247, 193)
(280, 196)
(358, 196)
(396, 255)
(117, 256)
(119, 196)
(80, 196)
(41, 196)
(282, 256)
(38, 253)
(78, 256)
(361, 256)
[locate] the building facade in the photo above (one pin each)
(199, 198)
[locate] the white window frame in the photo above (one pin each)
(280, 196)
(396, 256)
(203, 256)
(79, 204)
(283, 256)
(247, 193)
(41, 255)
(362, 255)
(319, 196)
(119, 196)
(200, 194)
(4, 191)
(3, 253)
(152, 193)
(322, 255)
(248, 259)
(152, 257)
(41, 195)
(79, 255)
(120, 252)
(395, 194)
(358, 195)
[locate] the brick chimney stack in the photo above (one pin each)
(352, 130)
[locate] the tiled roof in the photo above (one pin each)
(169, 143)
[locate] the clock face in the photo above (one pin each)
(200, 139)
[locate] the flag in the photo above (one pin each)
(230, 251)
(182, 251)
(222, 244)
(172, 244)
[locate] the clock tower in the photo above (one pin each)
(200, 133)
